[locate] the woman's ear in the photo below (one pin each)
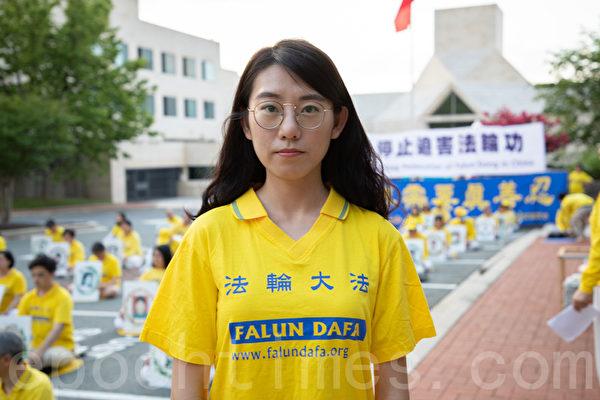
(246, 127)
(340, 122)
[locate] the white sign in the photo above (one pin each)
(39, 243)
(486, 228)
(416, 247)
(505, 225)
(114, 246)
(137, 299)
(59, 252)
(158, 370)
(86, 281)
(458, 239)
(436, 244)
(21, 325)
(465, 151)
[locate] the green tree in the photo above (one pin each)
(575, 97)
(65, 104)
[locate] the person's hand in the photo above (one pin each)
(581, 300)
(35, 358)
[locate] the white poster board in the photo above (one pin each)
(59, 252)
(137, 299)
(416, 247)
(458, 239)
(86, 281)
(39, 243)
(437, 246)
(159, 369)
(114, 246)
(505, 226)
(21, 325)
(485, 228)
(429, 220)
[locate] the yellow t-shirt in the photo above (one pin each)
(569, 204)
(418, 220)
(111, 267)
(2, 243)
(591, 275)
(469, 224)
(76, 253)
(577, 181)
(117, 232)
(153, 274)
(14, 285)
(54, 307)
(286, 318)
(57, 235)
(132, 244)
(32, 385)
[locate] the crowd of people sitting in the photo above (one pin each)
(50, 304)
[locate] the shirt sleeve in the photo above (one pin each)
(401, 317)
(20, 285)
(22, 308)
(182, 320)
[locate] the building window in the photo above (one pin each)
(452, 105)
(208, 71)
(122, 55)
(146, 55)
(149, 104)
(190, 108)
(209, 110)
(168, 63)
(169, 106)
(189, 67)
(200, 172)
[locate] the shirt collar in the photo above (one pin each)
(248, 206)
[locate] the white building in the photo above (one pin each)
(192, 98)
(466, 77)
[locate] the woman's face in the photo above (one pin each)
(157, 259)
(4, 262)
(290, 152)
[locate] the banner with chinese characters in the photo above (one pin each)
(534, 197)
(465, 151)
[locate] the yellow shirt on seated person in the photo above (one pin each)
(132, 244)
(14, 285)
(578, 180)
(32, 385)
(76, 253)
(590, 277)
(111, 268)
(153, 274)
(53, 307)
(57, 235)
(2, 243)
(117, 232)
(569, 204)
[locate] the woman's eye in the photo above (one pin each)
(270, 108)
(310, 109)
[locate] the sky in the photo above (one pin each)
(360, 37)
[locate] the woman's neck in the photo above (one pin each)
(293, 198)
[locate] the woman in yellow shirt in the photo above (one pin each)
(291, 275)
(110, 283)
(13, 281)
(132, 246)
(161, 257)
(116, 230)
(54, 231)
(578, 178)
(76, 248)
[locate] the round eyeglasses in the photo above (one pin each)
(270, 114)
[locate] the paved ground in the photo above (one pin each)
(502, 349)
(111, 369)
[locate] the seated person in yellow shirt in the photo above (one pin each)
(173, 220)
(116, 230)
(578, 178)
(13, 280)
(76, 249)
(440, 225)
(110, 283)
(18, 380)
(2, 243)
(461, 218)
(414, 218)
(413, 233)
(54, 231)
(51, 309)
(132, 246)
(590, 277)
(574, 213)
(160, 260)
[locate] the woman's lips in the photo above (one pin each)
(290, 153)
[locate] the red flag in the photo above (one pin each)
(403, 17)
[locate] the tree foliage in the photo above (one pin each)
(65, 104)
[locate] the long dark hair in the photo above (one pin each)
(351, 165)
